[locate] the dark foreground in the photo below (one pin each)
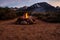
(39, 31)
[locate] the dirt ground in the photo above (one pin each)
(39, 31)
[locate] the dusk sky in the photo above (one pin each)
(21, 3)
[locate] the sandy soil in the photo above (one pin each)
(39, 31)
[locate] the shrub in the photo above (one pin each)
(7, 13)
(49, 16)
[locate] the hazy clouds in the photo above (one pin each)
(12, 2)
(17, 2)
(27, 2)
(6, 2)
(54, 2)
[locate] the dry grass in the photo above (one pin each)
(39, 31)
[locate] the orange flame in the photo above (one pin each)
(26, 15)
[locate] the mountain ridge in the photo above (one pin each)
(41, 7)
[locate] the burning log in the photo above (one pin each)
(25, 19)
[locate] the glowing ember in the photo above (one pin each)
(26, 15)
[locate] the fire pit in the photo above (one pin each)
(25, 19)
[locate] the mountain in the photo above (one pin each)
(43, 6)
(22, 9)
(38, 7)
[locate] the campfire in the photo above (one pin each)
(25, 19)
(26, 16)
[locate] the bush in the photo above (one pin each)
(7, 13)
(49, 16)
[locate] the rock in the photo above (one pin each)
(25, 21)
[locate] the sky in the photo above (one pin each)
(21, 3)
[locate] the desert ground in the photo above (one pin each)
(39, 31)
